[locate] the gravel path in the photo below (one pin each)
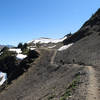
(53, 57)
(93, 85)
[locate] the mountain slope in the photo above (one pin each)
(86, 44)
(85, 51)
(56, 72)
(90, 27)
(42, 81)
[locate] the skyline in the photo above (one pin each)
(24, 20)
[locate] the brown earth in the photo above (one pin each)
(42, 80)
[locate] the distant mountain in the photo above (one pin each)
(9, 46)
(47, 40)
(1, 46)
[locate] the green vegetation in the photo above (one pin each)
(38, 45)
(14, 67)
(5, 53)
(32, 54)
(23, 47)
(7, 61)
(70, 88)
(51, 97)
(20, 45)
(25, 51)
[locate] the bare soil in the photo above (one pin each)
(42, 80)
(46, 79)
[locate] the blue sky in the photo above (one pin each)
(23, 20)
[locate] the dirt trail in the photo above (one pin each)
(53, 57)
(93, 85)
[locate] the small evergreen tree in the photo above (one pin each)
(24, 47)
(20, 45)
(70, 34)
(37, 45)
(4, 49)
(33, 54)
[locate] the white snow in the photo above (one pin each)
(31, 48)
(19, 53)
(52, 47)
(1, 53)
(3, 77)
(47, 40)
(65, 47)
(15, 50)
(21, 56)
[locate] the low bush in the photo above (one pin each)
(13, 67)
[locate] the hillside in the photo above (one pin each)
(85, 51)
(44, 80)
(90, 27)
(60, 72)
(86, 44)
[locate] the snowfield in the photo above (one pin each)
(52, 47)
(65, 47)
(21, 56)
(19, 53)
(47, 40)
(3, 78)
(32, 48)
(15, 50)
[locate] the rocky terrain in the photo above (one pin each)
(85, 48)
(69, 72)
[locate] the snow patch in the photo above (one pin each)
(21, 56)
(1, 53)
(52, 47)
(3, 78)
(15, 50)
(19, 53)
(65, 47)
(47, 40)
(31, 48)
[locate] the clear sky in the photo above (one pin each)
(23, 20)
